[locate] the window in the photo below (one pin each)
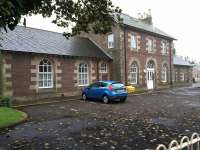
(134, 73)
(110, 41)
(151, 64)
(182, 76)
(164, 73)
(176, 77)
(133, 42)
(164, 48)
(150, 45)
(83, 74)
(45, 74)
(103, 68)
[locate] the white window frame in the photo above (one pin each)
(134, 73)
(164, 74)
(103, 68)
(47, 73)
(110, 41)
(150, 44)
(164, 48)
(182, 76)
(133, 42)
(83, 74)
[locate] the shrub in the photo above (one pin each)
(5, 101)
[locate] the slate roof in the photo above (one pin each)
(31, 40)
(133, 22)
(180, 61)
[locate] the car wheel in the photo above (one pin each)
(105, 99)
(84, 97)
(123, 99)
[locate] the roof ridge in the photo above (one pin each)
(21, 26)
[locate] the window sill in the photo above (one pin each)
(45, 87)
(46, 90)
(164, 54)
(111, 48)
(83, 85)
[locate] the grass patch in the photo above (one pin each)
(9, 117)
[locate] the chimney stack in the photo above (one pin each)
(146, 17)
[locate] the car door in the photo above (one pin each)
(93, 91)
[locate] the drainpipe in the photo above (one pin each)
(171, 73)
(125, 57)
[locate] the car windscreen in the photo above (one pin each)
(117, 85)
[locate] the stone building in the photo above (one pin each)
(196, 73)
(39, 64)
(182, 72)
(142, 54)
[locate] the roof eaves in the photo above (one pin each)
(153, 33)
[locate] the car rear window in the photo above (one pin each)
(103, 84)
(117, 85)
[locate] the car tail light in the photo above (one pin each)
(110, 88)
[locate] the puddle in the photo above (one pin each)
(164, 121)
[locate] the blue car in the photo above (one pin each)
(106, 91)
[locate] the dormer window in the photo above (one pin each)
(110, 41)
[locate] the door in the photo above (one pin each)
(93, 91)
(150, 78)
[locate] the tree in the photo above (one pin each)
(86, 15)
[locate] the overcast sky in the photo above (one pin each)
(179, 18)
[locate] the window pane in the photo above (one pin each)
(49, 83)
(49, 68)
(45, 83)
(45, 68)
(49, 76)
(40, 68)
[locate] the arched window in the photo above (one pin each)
(83, 74)
(103, 68)
(45, 74)
(164, 73)
(151, 65)
(134, 73)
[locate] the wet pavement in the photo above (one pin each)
(142, 122)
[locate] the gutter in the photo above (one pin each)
(125, 57)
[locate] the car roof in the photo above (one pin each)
(110, 81)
